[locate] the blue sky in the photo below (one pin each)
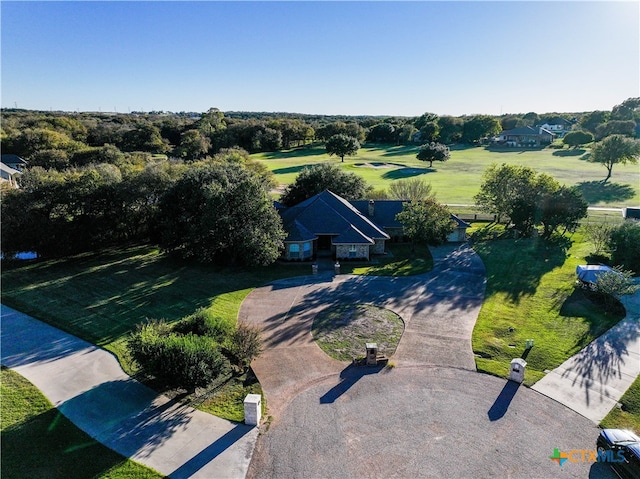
(370, 58)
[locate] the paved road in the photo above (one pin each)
(439, 309)
(88, 386)
(592, 381)
(430, 416)
(423, 422)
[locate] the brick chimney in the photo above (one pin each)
(372, 208)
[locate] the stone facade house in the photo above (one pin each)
(328, 225)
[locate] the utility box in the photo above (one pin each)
(516, 373)
(372, 354)
(252, 409)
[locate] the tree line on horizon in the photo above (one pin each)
(97, 180)
(59, 140)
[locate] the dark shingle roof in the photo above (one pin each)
(328, 214)
(352, 236)
(384, 211)
(297, 232)
(11, 159)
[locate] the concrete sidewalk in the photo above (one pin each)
(88, 386)
(592, 381)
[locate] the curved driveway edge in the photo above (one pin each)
(88, 386)
(439, 309)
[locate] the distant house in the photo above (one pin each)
(9, 175)
(14, 161)
(558, 126)
(328, 225)
(526, 136)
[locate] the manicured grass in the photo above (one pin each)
(228, 401)
(39, 442)
(101, 297)
(341, 331)
(531, 294)
(401, 260)
(627, 417)
(459, 179)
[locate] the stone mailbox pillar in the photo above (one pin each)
(252, 409)
(516, 373)
(336, 267)
(314, 268)
(372, 354)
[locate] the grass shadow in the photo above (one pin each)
(514, 149)
(570, 152)
(597, 191)
(406, 173)
(295, 153)
(515, 267)
(292, 169)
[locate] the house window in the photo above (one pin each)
(306, 250)
(294, 250)
(353, 250)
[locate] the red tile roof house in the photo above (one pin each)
(327, 224)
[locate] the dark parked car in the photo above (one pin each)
(621, 450)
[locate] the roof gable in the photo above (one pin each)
(328, 214)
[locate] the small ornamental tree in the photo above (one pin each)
(615, 149)
(433, 152)
(426, 221)
(342, 145)
(411, 189)
(562, 208)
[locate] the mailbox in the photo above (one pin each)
(252, 409)
(372, 354)
(518, 366)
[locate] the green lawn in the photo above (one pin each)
(101, 297)
(459, 179)
(628, 416)
(38, 441)
(401, 260)
(531, 294)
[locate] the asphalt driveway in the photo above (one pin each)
(430, 416)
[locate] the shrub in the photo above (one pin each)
(180, 361)
(623, 243)
(243, 346)
(205, 323)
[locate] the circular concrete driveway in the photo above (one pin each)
(430, 416)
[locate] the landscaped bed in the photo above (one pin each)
(343, 331)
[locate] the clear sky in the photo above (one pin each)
(369, 58)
